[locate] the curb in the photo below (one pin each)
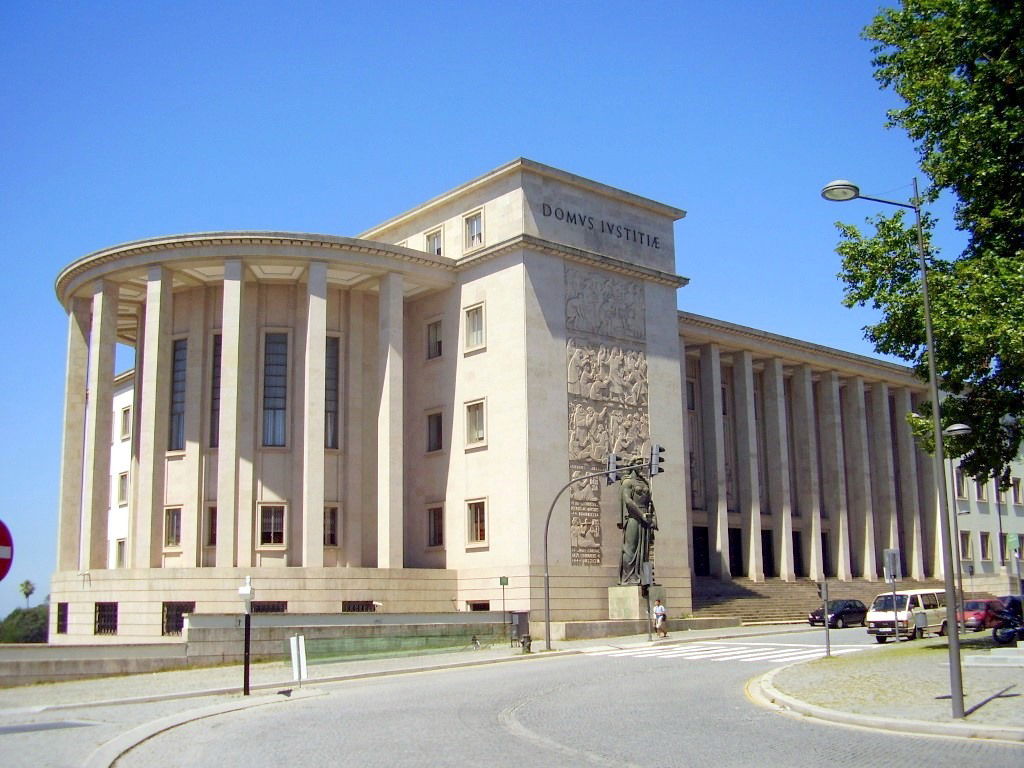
(763, 691)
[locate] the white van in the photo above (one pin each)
(917, 611)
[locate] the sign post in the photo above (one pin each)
(6, 550)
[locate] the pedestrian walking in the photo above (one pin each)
(660, 619)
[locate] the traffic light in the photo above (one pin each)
(612, 470)
(655, 460)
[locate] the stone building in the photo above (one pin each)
(386, 420)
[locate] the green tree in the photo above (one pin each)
(26, 625)
(27, 588)
(958, 66)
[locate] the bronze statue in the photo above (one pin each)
(637, 521)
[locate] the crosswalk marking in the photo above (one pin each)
(774, 652)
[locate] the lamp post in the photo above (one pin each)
(956, 430)
(840, 191)
(247, 593)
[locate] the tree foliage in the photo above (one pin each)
(27, 588)
(26, 625)
(958, 66)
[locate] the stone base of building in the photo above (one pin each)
(628, 602)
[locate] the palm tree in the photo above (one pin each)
(27, 588)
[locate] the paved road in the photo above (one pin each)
(638, 709)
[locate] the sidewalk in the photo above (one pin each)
(904, 688)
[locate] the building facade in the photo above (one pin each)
(386, 421)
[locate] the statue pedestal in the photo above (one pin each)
(627, 602)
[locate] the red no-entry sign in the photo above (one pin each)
(6, 550)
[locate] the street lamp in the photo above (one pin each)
(840, 191)
(246, 593)
(957, 430)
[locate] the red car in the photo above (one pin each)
(980, 614)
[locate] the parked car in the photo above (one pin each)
(908, 613)
(980, 614)
(841, 613)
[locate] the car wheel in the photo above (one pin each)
(880, 639)
(840, 624)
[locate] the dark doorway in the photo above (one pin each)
(737, 566)
(768, 555)
(701, 551)
(798, 555)
(826, 556)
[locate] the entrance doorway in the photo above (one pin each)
(826, 556)
(768, 555)
(737, 566)
(798, 554)
(701, 551)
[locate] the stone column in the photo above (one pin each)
(154, 404)
(910, 500)
(777, 465)
(883, 474)
(808, 480)
(352, 516)
(390, 484)
(748, 484)
(833, 464)
(229, 445)
(69, 522)
(858, 479)
(192, 505)
(313, 417)
(714, 458)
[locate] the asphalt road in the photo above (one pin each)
(638, 708)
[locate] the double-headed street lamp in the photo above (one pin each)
(840, 191)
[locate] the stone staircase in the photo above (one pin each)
(776, 601)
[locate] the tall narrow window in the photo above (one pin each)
(62, 618)
(433, 339)
(330, 526)
(986, 545)
(1015, 489)
(475, 426)
(477, 522)
(176, 437)
(965, 546)
(474, 230)
(981, 488)
(211, 526)
(434, 433)
(331, 372)
(434, 242)
(126, 423)
(120, 552)
(275, 388)
(435, 526)
(122, 489)
(961, 486)
(271, 524)
(172, 527)
(475, 335)
(215, 392)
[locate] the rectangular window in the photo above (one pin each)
(105, 619)
(1015, 490)
(122, 489)
(981, 488)
(176, 437)
(986, 545)
(475, 426)
(269, 606)
(435, 436)
(691, 396)
(332, 368)
(172, 527)
(474, 230)
(62, 618)
(477, 514)
(358, 606)
(1004, 546)
(434, 242)
(435, 526)
(433, 339)
(478, 605)
(275, 388)
(272, 524)
(215, 392)
(965, 546)
(211, 526)
(120, 552)
(1000, 494)
(330, 526)
(126, 423)
(174, 617)
(961, 485)
(475, 334)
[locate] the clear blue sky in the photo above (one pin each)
(124, 120)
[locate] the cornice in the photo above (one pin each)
(570, 253)
(167, 243)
